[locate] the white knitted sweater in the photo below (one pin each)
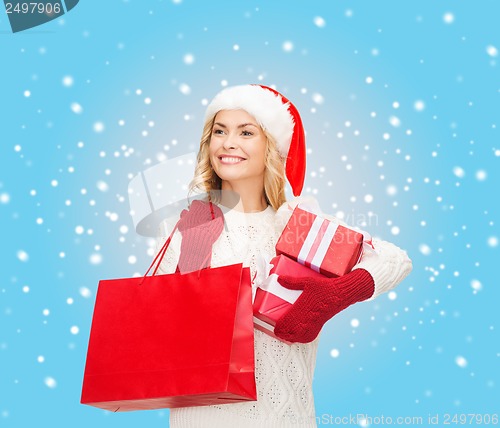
(284, 373)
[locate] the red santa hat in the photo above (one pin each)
(277, 115)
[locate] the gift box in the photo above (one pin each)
(320, 244)
(272, 300)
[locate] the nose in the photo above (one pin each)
(230, 142)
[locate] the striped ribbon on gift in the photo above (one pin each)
(316, 244)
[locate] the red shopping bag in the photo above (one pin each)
(171, 340)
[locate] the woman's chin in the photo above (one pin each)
(230, 172)
(230, 177)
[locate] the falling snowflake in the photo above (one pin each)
(319, 22)
(50, 382)
(287, 46)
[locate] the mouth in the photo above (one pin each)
(230, 160)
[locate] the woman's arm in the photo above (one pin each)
(387, 264)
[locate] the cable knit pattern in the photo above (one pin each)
(284, 373)
(387, 264)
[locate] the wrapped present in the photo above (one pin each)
(272, 300)
(320, 244)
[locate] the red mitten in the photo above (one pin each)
(200, 227)
(321, 299)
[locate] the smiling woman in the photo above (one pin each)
(252, 139)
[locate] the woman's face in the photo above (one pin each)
(237, 147)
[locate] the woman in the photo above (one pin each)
(252, 138)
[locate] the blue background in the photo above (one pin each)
(429, 179)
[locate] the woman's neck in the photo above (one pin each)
(245, 200)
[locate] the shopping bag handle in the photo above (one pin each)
(160, 254)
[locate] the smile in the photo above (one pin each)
(230, 160)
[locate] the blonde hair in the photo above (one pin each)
(206, 180)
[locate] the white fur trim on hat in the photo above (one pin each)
(267, 108)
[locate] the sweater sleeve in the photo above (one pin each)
(387, 264)
(169, 262)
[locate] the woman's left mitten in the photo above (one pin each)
(321, 299)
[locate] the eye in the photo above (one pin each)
(247, 133)
(218, 131)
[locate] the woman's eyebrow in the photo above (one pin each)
(239, 126)
(220, 124)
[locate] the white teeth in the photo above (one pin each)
(231, 160)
